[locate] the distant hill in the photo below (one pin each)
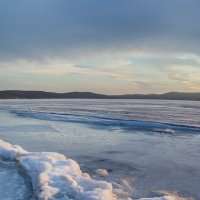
(18, 94)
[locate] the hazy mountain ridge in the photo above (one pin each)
(18, 94)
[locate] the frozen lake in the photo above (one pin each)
(146, 146)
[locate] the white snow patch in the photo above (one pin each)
(102, 172)
(169, 131)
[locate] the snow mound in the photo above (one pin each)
(102, 172)
(54, 176)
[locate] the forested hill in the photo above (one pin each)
(17, 94)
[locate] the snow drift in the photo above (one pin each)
(53, 176)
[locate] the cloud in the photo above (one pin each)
(54, 67)
(38, 29)
(109, 45)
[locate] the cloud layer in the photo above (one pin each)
(126, 43)
(44, 28)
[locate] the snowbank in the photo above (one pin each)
(54, 176)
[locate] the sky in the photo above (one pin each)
(103, 46)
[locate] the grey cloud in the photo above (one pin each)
(163, 62)
(36, 29)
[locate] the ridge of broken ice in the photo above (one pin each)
(53, 176)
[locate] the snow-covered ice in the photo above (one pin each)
(55, 176)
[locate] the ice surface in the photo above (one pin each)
(151, 156)
(12, 185)
(184, 113)
(161, 198)
(28, 128)
(154, 126)
(168, 117)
